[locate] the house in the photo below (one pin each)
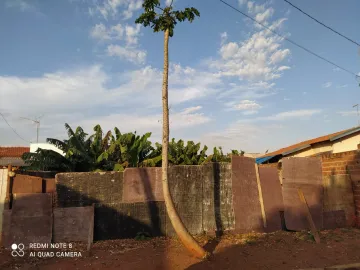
(12, 156)
(252, 155)
(342, 141)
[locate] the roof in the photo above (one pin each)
(305, 144)
(13, 151)
(261, 160)
(13, 161)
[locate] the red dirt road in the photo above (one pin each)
(281, 250)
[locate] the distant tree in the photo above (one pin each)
(165, 21)
(46, 160)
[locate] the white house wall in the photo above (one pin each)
(3, 189)
(46, 146)
(315, 149)
(347, 144)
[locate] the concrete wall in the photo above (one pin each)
(130, 202)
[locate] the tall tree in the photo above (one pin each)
(165, 21)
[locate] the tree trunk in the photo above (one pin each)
(185, 237)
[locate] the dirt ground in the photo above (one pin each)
(280, 250)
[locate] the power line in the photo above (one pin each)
(13, 128)
(289, 40)
(328, 27)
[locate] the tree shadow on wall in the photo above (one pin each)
(117, 220)
(211, 245)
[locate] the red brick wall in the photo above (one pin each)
(341, 163)
(357, 201)
(345, 163)
(272, 165)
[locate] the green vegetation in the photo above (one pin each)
(114, 151)
(142, 236)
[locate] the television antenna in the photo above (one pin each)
(357, 109)
(37, 122)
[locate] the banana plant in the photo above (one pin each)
(128, 150)
(179, 154)
(76, 149)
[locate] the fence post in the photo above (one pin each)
(261, 199)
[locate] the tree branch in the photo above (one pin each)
(159, 8)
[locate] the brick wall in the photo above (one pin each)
(357, 201)
(271, 165)
(341, 163)
(346, 164)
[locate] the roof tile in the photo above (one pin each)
(312, 141)
(13, 151)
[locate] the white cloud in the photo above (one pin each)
(342, 86)
(282, 68)
(347, 113)
(224, 37)
(117, 32)
(257, 9)
(293, 114)
(132, 34)
(100, 32)
(250, 112)
(240, 136)
(284, 116)
(248, 107)
(84, 96)
(264, 16)
(229, 50)
(147, 123)
(23, 6)
(169, 2)
(110, 8)
(20, 4)
(255, 59)
(48, 91)
(242, 2)
(253, 90)
(129, 34)
(191, 109)
(327, 85)
(133, 55)
(279, 56)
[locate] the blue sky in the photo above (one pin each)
(232, 83)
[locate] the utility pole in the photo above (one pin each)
(37, 122)
(357, 109)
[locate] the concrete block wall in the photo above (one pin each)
(127, 203)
